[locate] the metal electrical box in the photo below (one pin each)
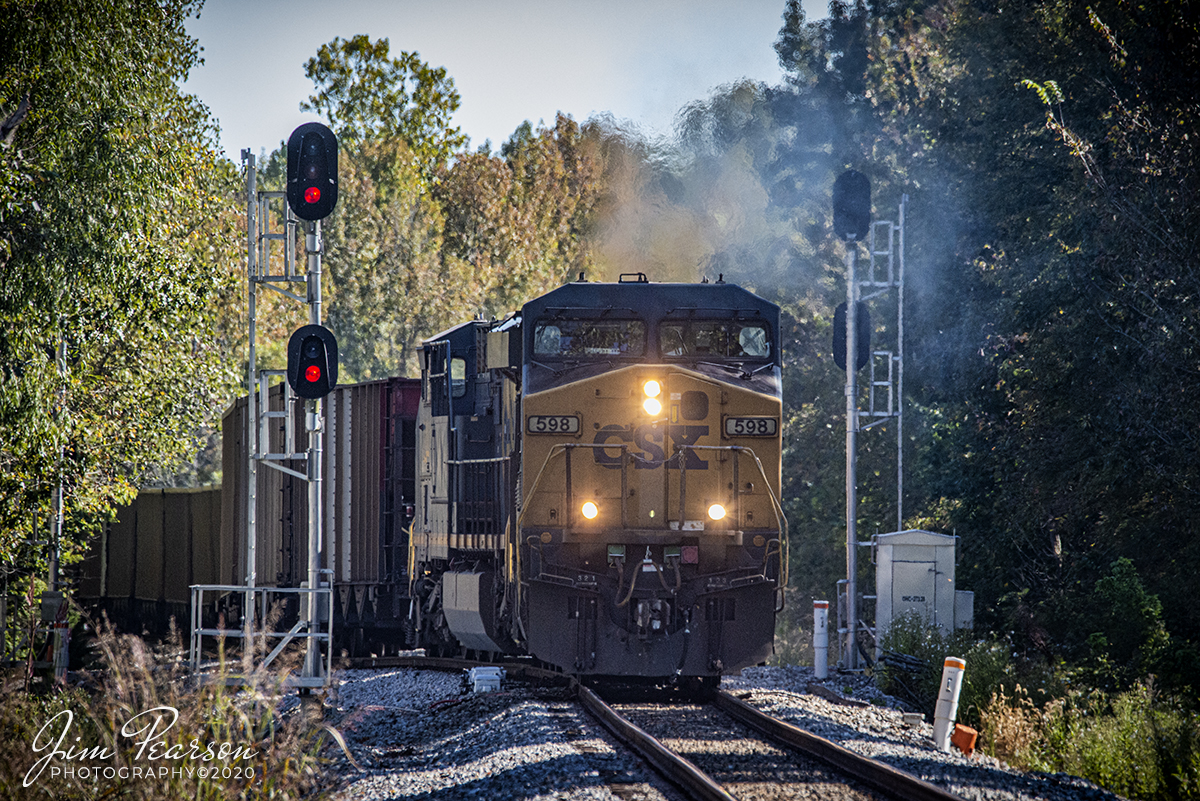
(914, 572)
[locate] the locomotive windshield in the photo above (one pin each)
(576, 338)
(715, 339)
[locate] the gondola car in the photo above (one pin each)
(597, 482)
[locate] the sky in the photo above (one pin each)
(640, 60)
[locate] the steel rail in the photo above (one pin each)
(673, 766)
(888, 780)
(883, 777)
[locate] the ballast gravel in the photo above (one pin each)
(415, 734)
(878, 731)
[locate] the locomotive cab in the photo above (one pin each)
(651, 538)
(598, 482)
(465, 494)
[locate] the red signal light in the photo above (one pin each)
(312, 364)
(312, 194)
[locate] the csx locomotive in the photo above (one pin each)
(593, 481)
(597, 482)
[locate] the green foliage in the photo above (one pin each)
(1137, 743)
(1046, 148)
(406, 259)
(112, 247)
(386, 284)
(519, 224)
(1070, 448)
(1129, 639)
(991, 665)
(426, 234)
(365, 93)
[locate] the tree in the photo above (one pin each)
(426, 235)
(1058, 133)
(519, 225)
(106, 188)
(388, 286)
(405, 263)
(364, 94)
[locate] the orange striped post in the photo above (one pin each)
(947, 703)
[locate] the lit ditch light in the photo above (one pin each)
(716, 512)
(589, 510)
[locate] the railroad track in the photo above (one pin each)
(707, 751)
(724, 749)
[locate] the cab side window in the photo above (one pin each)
(458, 377)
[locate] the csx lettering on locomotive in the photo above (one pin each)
(656, 441)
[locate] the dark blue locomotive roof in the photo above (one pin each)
(655, 307)
(658, 306)
(650, 301)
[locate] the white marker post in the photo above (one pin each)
(947, 703)
(821, 639)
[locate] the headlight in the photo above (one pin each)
(652, 389)
(589, 510)
(716, 511)
(652, 406)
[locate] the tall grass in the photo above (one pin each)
(1139, 743)
(226, 742)
(1136, 743)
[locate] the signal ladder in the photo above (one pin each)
(256, 606)
(885, 275)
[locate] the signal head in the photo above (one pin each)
(852, 205)
(312, 175)
(312, 361)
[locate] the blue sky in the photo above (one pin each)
(640, 60)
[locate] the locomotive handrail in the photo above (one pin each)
(776, 506)
(479, 461)
(566, 447)
(560, 447)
